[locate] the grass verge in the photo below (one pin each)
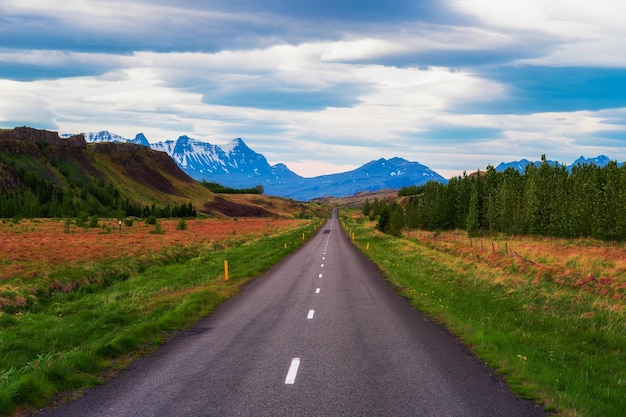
(556, 344)
(69, 341)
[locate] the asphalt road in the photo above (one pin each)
(320, 334)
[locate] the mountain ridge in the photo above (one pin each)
(600, 160)
(236, 165)
(45, 175)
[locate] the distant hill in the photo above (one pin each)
(44, 175)
(237, 165)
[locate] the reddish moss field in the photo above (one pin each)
(589, 266)
(36, 247)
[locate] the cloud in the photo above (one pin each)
(579, 33)
(455, 84)
(124, 27)
(30, 65)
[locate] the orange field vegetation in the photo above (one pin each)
(590, 266)
(31, 248)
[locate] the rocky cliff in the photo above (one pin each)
(37, 136)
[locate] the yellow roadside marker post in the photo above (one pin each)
(225, 270)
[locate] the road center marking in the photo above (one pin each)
(322, 265)
(310, 316)
(317, 291)
(320, 275)
(293, 371)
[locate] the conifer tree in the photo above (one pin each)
(473, 215)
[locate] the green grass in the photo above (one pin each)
(70, 341)
(540, 336)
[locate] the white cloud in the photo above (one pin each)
(580, 32)
(360, 49)
(23, 102)
(388, 111)
(116, 16)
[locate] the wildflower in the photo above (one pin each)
(524, 358)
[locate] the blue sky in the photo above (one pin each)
(326, 86)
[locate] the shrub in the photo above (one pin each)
(93, 222)
(158, 230)
(182, 225)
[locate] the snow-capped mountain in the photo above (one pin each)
(106, 136)
(236, 165)
(393, 173)
(600, 160)
(521, 165)
(233, 164)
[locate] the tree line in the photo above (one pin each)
(222, 189)
(41, 198)
(546, 200)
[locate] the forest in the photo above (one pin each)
(42, 198)
(545, 200)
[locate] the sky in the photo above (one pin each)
(325, 86)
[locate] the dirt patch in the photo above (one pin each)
(232, 209)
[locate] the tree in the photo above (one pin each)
(367, 207)
(391, 219)
(473, 215)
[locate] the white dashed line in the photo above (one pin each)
(317, 291)
(310, 315)
(293, 371)
(322, 265)
(320, 275)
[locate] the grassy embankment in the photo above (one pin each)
(547, 314)
(83, 322)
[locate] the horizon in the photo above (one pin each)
(325, 87)
(453, 173)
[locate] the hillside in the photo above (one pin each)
(43, 175)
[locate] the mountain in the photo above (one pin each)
(236, 165)
(45, 175)
(393, 173)
(600, 160)
(106, 136)
(521, 165)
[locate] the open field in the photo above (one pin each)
(79, 306)
(548, 314)
(37, 253)
(591, 266)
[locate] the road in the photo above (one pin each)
(320, 334)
